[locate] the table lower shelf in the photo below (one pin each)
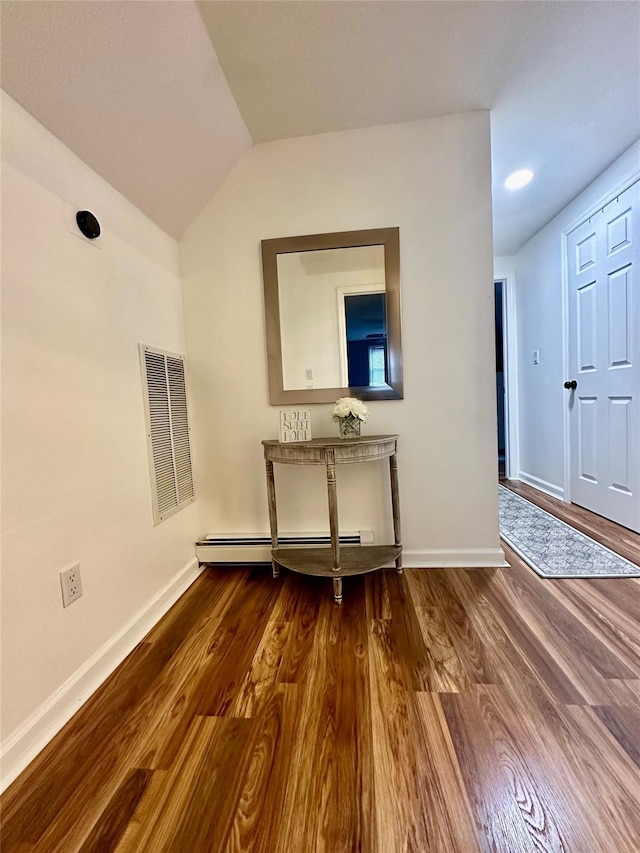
(354, 559)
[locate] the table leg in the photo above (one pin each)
(395, 503)
(273, 516)
(332, 493)
(337, 590)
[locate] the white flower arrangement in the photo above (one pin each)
(350, 407)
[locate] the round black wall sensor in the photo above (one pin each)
(88, 224)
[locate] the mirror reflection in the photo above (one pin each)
(332, 311)
(333, 318)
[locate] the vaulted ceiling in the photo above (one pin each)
(163, 98)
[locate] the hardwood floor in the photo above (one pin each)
(441, 710)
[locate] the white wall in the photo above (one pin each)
(432, 179)
(308, 326)
(503, 266)
(538, 274)
(75, 473)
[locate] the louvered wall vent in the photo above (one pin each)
(167, 422)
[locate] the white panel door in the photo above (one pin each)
(604, 360)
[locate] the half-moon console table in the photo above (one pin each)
(334, 562)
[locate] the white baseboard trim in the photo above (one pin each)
(22, 746)
(431, 559)
(449, 558)
(542, 485)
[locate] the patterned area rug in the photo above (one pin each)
(554, 549)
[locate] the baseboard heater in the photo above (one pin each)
(256, 547)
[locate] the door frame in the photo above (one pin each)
(510, 369)
(341, 293)
(602, 202)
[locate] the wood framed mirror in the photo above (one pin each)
(332, 310)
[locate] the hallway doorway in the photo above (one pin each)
(499, 297)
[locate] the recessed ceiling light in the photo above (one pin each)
(518, 179)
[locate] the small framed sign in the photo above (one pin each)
(295, 425)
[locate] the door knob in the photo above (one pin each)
(571, 386)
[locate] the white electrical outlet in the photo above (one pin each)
(71, 584)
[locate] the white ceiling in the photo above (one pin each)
(562, 80)
(136, 90)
